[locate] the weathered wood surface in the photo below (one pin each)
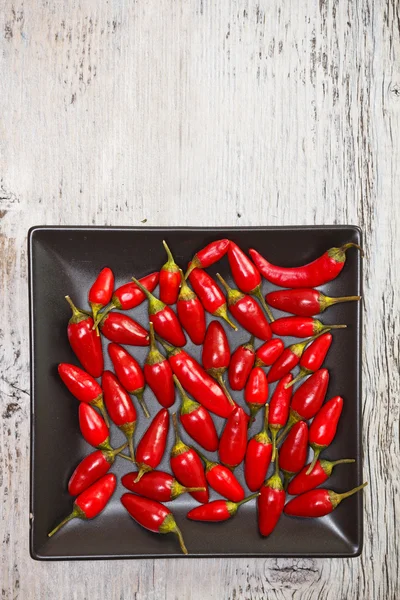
(203, 113)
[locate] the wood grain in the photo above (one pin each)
(203, 113)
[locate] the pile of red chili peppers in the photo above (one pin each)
(296, 417)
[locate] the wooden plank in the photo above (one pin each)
(211, 113)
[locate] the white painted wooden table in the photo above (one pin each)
(203, 113)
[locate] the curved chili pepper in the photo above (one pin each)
(164, 319)
(307, 399)
(91, 468)
(258, 457)
(222, 480)
(320, 473)
(218, 510)
(151, 447)
(317, 503)
(233, 441)
(120, 407)
(294, 450)
(208, 256)
(191, 313)
(187, 466)
(269, 352)
(93, 428)
(121, 329)
(211, 297)
(91, 501)
(271, 502)
(129, 296)
(289, 358)
(217, 354)
(170, 279)
(85, 342)
(279, 409)
(304, 302)
(320, 271)
(323, 428)
(153, 516)
(313, 358)
(83, 386)
(197, 382)
(101, 291)
(246, 276)
(129, 373)
(156, 485)
(247, 312)
(158, 374)
(197, 421)
(256, 391)
(301, 327)
(241, 364)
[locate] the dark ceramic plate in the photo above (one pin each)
(66, 261)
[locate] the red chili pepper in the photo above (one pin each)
(218, 510)
(304, 302)
(187, 466)
(197, 421)
(157, 485)
(120, 407)
(289, 358)
(208, 256)
(320, 473)
(170, 279)
(164, 319)
(151, 447)
(320, 271)
(92, 501)
(101, 291)
(307, 399)
(294, 450)
(246, 276)
(222, 480)
(91, 468)
(217, 354)
(313, 358)
(211, 297)
(241, 364)
(269, 352)
(85, 342)
(279, 409)
(317, 503)
(197, 382)
(83, 386)
(258, 457)
(129, 296)
(247, 312)
(256, 391)
(121, 329)
(158, 374)
(233, 441)
(129, 373)
(191, 313)
(153, 516)
(301, 327)
(271, 502)
(323, 428)
(93, 427)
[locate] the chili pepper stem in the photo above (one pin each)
(251, 497)
(139, 396)
(101, 316)
(336, 327)
(317, 452)
(117, 451)
(143, 469)
(169, 526)
(99, 403)
(222, 383)
(75, 311)
(337, 498)
(77, 513)
(258, 293)
(343, 461)
(303, 373)
(222, 313)
(330, 301)
(293, 419)
(274, 433)
(127, 458)
(170, 258)
(352, 245)
(155, 305)
(206, 461)
(195, 264)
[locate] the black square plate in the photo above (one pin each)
(66, 261)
